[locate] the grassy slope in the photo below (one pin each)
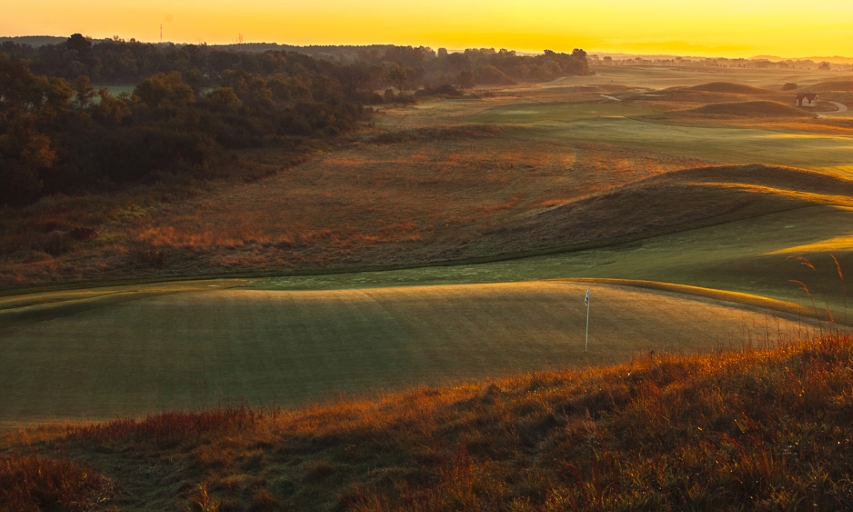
(744, 430)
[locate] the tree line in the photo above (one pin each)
(115, 61)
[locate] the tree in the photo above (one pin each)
(224, 99)
(20, 90)
(164, 89)
(352, 77)
(81, 45)
(465, 79)
(398, 76)
(83, 92)
(23, 153)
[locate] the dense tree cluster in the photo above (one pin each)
(58, 133)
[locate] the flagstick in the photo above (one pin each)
(586, 340)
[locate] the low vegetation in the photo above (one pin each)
(752, 429)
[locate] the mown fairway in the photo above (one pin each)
(188, 350)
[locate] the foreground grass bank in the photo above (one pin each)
(753, 429)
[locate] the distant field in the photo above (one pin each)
(188, 350)
(622, 125)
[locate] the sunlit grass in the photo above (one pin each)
(835, 244)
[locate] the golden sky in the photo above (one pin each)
(732, 28)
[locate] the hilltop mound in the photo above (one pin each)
(730, 88)
(837, 85)
(670, 203)
(748, 109)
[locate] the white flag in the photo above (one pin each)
(586, 299)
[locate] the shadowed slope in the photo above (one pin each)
(669, 203)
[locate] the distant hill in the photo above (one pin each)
(837, 59)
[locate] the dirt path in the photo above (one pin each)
(840, 106)
(188, 350)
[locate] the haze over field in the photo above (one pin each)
(727, 28)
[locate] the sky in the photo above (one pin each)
(714, 28)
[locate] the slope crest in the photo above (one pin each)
(669, 203)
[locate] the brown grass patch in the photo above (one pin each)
(387, 204)
(440, 133)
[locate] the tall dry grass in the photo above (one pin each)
(36, 484)
(762, 428)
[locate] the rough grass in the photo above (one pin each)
(751, 429)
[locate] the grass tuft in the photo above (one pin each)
(30, 483)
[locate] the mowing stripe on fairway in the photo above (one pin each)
(189, 350)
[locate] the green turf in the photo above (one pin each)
(190, 350)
